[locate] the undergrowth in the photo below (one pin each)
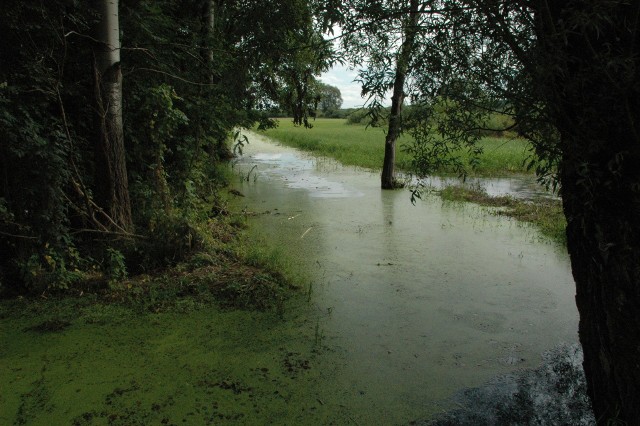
(226, 270)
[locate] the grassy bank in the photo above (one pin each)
(218, 338)
(226, 269)
(358, 145)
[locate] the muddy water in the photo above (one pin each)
(412, 302)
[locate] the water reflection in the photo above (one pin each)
(416, 302)
(522, 187)
(553, 394)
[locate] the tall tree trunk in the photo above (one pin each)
(388, 178)
(591, 86)
(208, 13)
(208, 22)
(603, 239)
(112, 187)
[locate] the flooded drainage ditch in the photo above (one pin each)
(437, 313)
(425, 308)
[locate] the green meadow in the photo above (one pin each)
(358, 145)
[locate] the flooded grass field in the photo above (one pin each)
(406, 310)
(420, 300)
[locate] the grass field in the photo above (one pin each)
(361, 146)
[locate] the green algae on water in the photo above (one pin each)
(204, 367)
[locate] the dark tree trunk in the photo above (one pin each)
(591, 85)
(395, 127)
(603, 239)
(388, 178)
(112, 187)
(207, 22)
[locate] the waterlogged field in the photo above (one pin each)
(417, 302)
(358, 145)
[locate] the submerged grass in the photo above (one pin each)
(362, 146)
(546, 214)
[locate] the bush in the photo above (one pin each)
(359, 116)
(169, 240)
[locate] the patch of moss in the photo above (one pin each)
(49, 326)
(208, 341)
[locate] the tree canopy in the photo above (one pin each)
(192, 71)
(330, 98)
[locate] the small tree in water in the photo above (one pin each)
(382, 38)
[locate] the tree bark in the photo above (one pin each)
(591, 88)
(208, 22)
(603, 239)
(388, 177)
(112, 187)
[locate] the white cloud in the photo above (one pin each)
(342, 77)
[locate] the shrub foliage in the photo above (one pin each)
(192, 72)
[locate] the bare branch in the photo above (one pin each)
(24, 237)
(177, 77)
